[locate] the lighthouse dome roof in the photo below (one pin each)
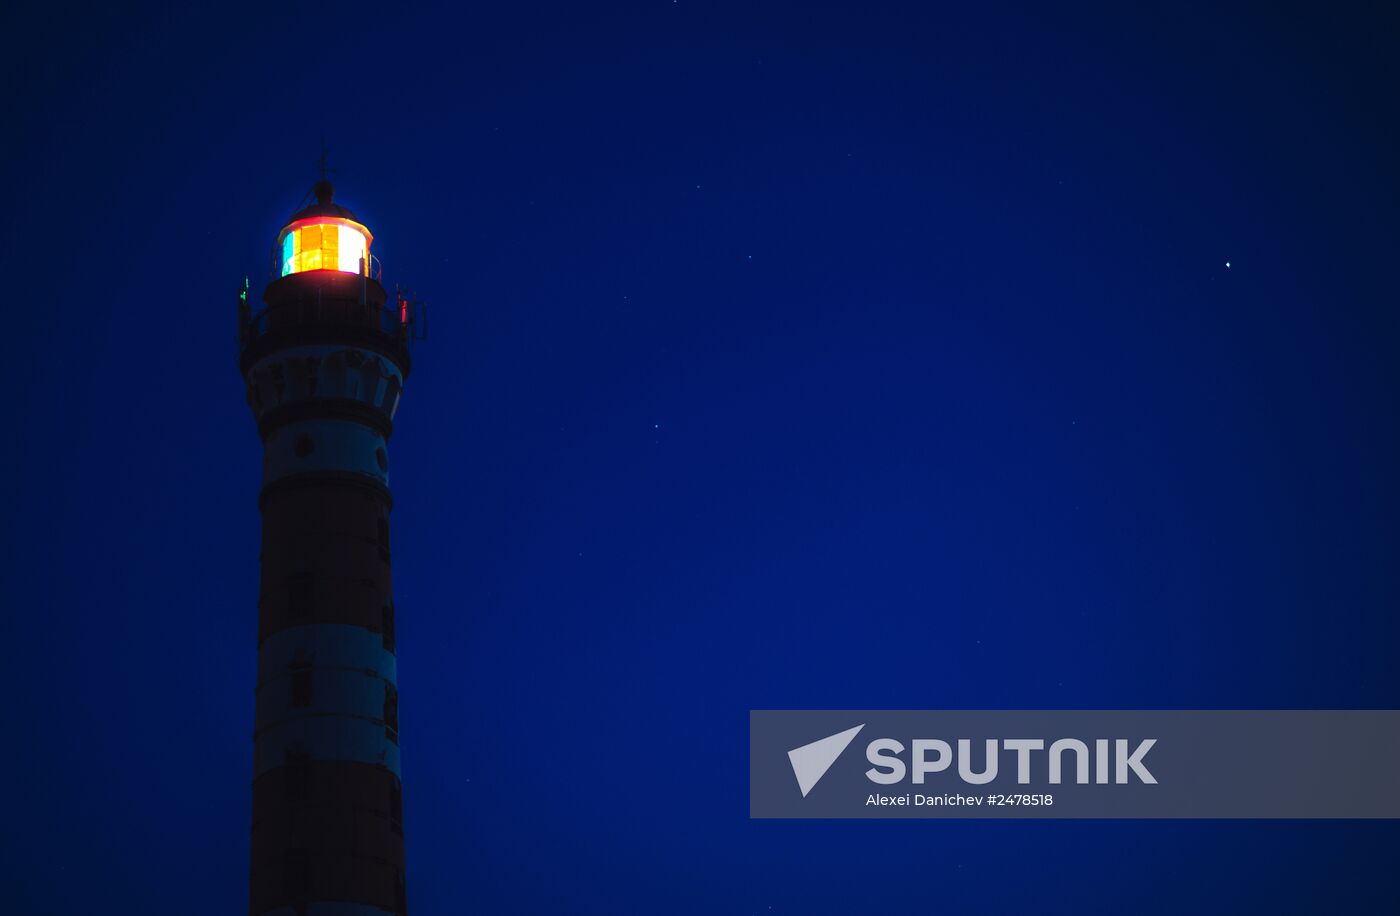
(324, 206)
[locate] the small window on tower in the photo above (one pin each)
(391, 708)
(388, 625)
(301, 687)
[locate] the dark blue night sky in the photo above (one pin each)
(781, 355)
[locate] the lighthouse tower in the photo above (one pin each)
(324, 362)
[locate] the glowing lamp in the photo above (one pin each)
(325, 243)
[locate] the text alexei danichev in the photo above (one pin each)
(915, 800)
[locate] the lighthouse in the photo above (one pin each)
(324, 361)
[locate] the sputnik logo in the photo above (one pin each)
(811, 761)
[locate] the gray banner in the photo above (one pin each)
(1074, 763)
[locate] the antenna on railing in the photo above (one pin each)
(412, 315)
(245, 315)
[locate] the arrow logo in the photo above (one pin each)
(811, 761)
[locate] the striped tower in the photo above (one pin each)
(325, 363)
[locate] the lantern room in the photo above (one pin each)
(324, 236)
(324, 243)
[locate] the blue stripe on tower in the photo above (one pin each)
(326, 692)
(324, 372)
(316, 446)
